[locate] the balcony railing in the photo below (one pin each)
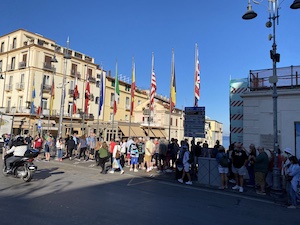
(10, 67)
(46, 88)
(73, 74)
(49, 67)
(20, 86)
(92, 79)
(8, 87)
(22, 65)
(91, 97)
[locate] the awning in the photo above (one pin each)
(125, 130)
(163, 133)
(138, 131)
(157, 133)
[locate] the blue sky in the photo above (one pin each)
(117, 29)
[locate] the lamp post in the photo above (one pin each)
(62, 100)
(273, 19)
(13, 110)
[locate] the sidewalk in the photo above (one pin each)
(171, 177)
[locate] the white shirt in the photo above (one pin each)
(18, 151)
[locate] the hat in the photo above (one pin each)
(288, 151)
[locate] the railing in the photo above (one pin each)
(8, 87)
(46, 88)
(20, 86)
(288, 77)
(92, 79)
(73, 74)
(10, 67)
(22, 65)
(49, 67)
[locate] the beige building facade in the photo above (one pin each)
(30, 63)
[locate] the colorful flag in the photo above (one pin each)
(153, 85)
(87, 96)
(132, 88)
(52, 96)
(75, 94)
(40, 108)
(117, 91)
(197, 78)
(173, 85)
(32, 98)
(101, 86)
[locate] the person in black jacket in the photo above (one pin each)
(70, 144)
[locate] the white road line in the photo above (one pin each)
(218, 192)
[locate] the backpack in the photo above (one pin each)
(191, 158)
(133, 150)
(224, 161)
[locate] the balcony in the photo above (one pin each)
(22, 65)
(73, 74)
(92, 79)
(8, 87)
(89, 116)
(49, 67)
(46, 88)
(71, 93)
(20, 86)
(10, 67)
(91, 97)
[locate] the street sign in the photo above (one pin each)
(194, 122)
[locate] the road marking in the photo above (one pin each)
(218, 192)
(142, 182)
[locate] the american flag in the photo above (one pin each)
(75, 94)
(153, 86)
(197, 78)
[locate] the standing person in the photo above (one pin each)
(82, 146)
(134, 155)
(111, 149)
(261, 164)
(215, 150)
(128, 144)
(141, 148)
(123, 151)
(116, 156)
(229, 154)
(250, 165)
(222, 160)
(284, 174)
(38, 144)
(156, 152)
(162, 149)
(76, 141)
(97, 148)
(294, 172)
(186, 166)
(60, 145)
(92, 145)
(48, 145)
(205, 150)
(70, 147)
(103, 156)
(28, 140)
(149, 146)
(239, 160)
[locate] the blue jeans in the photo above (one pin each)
(119, 164)
(293, 195)
(59, 153)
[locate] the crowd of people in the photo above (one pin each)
(137, 153)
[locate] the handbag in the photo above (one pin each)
(115, 164)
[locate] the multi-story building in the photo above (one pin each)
(30, 65)
(35, 68)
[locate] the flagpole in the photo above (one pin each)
(132, 92)
(113, 116)
(151, 106)
(171, 86)
(99, 101)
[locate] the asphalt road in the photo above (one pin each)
(62, 193)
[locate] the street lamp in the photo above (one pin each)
(13, 110)
(62, 100)
(273, 19)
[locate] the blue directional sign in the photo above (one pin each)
(194, 122)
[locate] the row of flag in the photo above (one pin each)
(153, 86)
(153, 89)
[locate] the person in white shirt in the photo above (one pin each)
(18, 150)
